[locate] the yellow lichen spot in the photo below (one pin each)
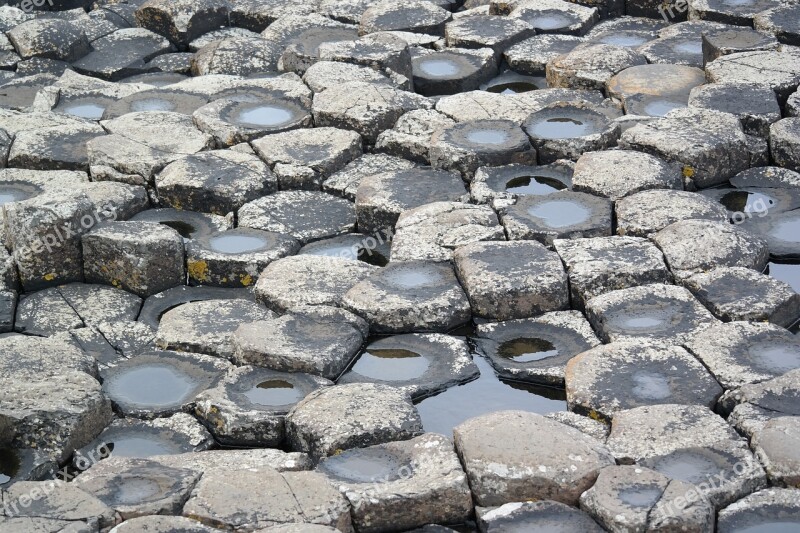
(594, 415)
(116, 283)
(338, 451)
(49, 277)
(688, 171)
(246, 280)
(198, 270)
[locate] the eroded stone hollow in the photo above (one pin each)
(379, 266)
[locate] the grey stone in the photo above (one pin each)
(140, 488)
(123, 53)
(189, 224)
(158, 304)
(44, 235)
(533, 516)
(689, 444)
(632, 498)
(410, 137)
(419, 481)
(162, 524)
(752, 405)
(415, 16)
(345, 182)
(58, 501)
(356, 415)
(766, 177)
(776, 445)
(303, 159)
(258, 497)
(737, 293)
(286, 212)
(784, 145)
(602, 264)
(593, 131)
(178, 377)
(54, 148)
(364, 107)
(49, 39)
(56, 420)
(495, 278)
(591, 67)
(382, 197)
(532, 55)
(731, 41)
(508, 182)
(621, 375)
(383, 52)
(226, 461)
(247, 407)
(182, 21)
(618, 173)
(420, 364)
(780, 21)
(42, 358)
(725, 12)
(768, 506)
(224, 56)
(482, 31)
(451, 71)
(414, 296)
(555, 16)
(560, 215)
(309, 280)
(317, 339)
(207, 326)
(303, 52)
(465, 146)
(217, 181)
(535, 350)
(738, 353)
(431, 232)
(140, 257)
(657, 312)
(775, 69)
(325, 74)
(235, 258)
(692, 246)
(504, 465)
(647, 212)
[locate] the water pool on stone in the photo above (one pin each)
(133, 490)
(236, 244)
(538, 185)
(391, 364)
(264, 116)
(152, 104)
(487, 394)
(150, 386)
(561, 213)
(487, 136)
(273, 392)
(134, 446)
(786, 272)
(562, 128)
(438, 68)
(526, 350)
(83, 109)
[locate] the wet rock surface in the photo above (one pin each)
(468, 264)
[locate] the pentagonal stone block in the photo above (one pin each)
(495, 278)
(503, 465)
(647, 212)
(356, 415)
(780, 21)
(590, 67)
(535, 516)
(58, 501)
(413, 16)
(123, 53)
(411, 135)
(776, 446)
(770, 506)
(410, 297)
(602, 264)
(738, 353)
(482, 31)
(50, 39)
(184, 20)
(626, 374)
(755, 105)
(140, 257)
(752, 405)
(618, 173)
(657, 312)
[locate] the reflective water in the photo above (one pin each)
(137, 446)
(776, 357)
(185, 229)
(787, 229)
(622, 39)
(659, 108)
(391, 365)
(562, 128)
(83, 109)
(486, 136)
(561, 213)
(236, 244)
(152, 104)
(650, 386)
(513, 87)
(691, 466)
(786, 272)
(441, 413)
(550, 22)
(265, 115)
(273, 392)
(640, 322)
(438, 67)
(410, 278)
(366, 466)
(538, 185)
(743, 201)
(151, 385)
(641, 496)
(9, 465)
(525, 350)
(689, 47)
(15, 193)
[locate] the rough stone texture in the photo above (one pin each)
(692, 246)
(619, 173)
(776, 446)
(182, 21)
(356, 415)
(738, 353)
(763, 507)
(534, 516)
(602, 264)
(431, 232)
(625, 374)
(515, 456)
(736, 293)
(591, 67)
(775, 69)
(423, 484)
(784, 144)
(58, 500)
(648, 212)
(500, 282)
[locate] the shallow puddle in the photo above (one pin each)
(550, 20)
(771, 526)
(743, 201)
(391, 364)
(691, 466)
(82, 109)
(15, 192)
(561, 213)
(776, 357)
(525, 350)
(186, 230)
(486, 136)
(441, 413)
(438, 68)
(689, 48)
(412, 278)
(134, 490)
(641, 496)
(650, 386)
(136, 446)
(236, 244)
(366, 466)
(152, 104)
(273, 392)
(786, 272)
(787, 229)
(660, 107)
(265, 116)
(536, 185)
(625, 40)
(562, 128)
(150, 385)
